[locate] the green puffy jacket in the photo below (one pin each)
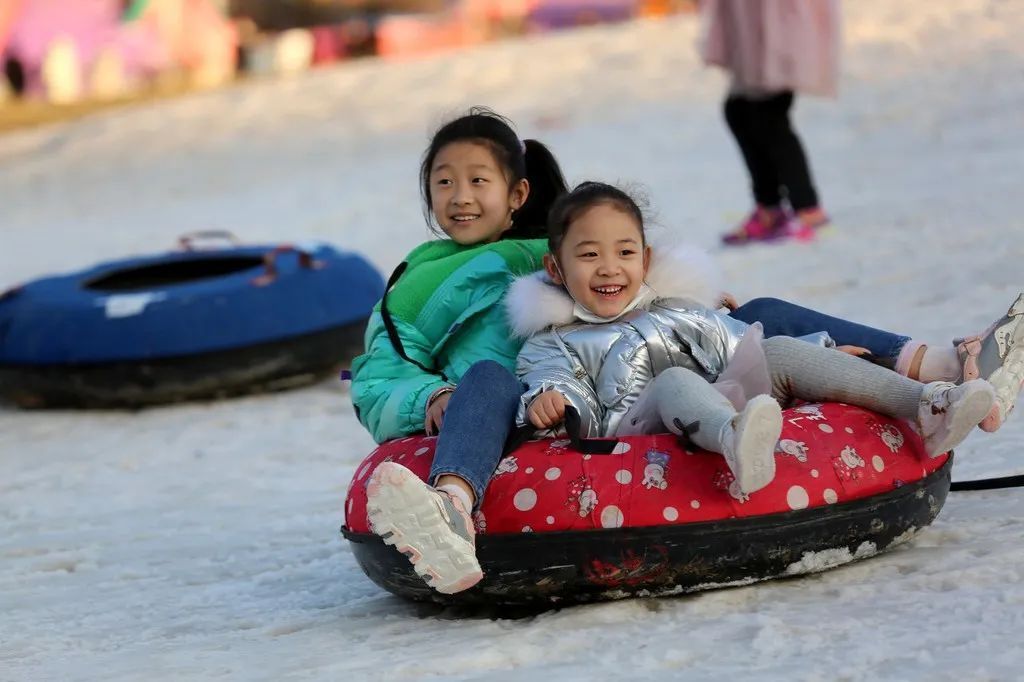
(447, 310)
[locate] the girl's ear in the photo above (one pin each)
(520, 191)
(648, 255)
(551, 266)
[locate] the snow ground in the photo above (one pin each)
(200, 541)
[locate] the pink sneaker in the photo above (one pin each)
(805, 224)
(947, 413)
(997, 354)
(762, 225)
(429, 526)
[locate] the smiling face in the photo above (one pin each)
(602, 261)
(470, 194)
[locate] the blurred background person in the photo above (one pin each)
(773, 49)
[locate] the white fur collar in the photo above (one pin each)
(534, 303)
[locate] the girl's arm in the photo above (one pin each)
(545, 363)
(391, 394)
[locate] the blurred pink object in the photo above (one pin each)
(92, 26)
(188, 33)
(9, 10)
(328, 44)
(418, 34)
(774, 45)
(197, 37)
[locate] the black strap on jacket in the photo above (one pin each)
(389, 324)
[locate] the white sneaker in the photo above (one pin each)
(947, 412)
(428, 526)
(748, 443)
(997, 354)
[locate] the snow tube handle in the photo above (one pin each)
(1016, 481)
(187, 240)
(573, 429)
(306, 260)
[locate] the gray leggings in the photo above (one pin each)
(687, 403)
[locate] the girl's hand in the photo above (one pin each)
(854, 350)
(547, 409)
(435, 413)
(728, 301)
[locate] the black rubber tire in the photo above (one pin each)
(276, 365)
(533, 569)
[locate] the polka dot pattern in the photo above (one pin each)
(797, 497)
(611, 517)
(525, 499)
(546, 486)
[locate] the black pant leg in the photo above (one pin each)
(785, 150)
(742, 116)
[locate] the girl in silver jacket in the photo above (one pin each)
(630, 338)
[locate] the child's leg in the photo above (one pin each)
(742, 117)
(689, 405)
(478, 421)
(786, 152)
(944, 412)
(432, 526)
(782, 318)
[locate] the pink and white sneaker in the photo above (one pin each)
(997, 355)
(429, 526)
(764, 224)
(948, 412)
(805, 224)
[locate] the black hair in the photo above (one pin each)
(585, 196)
(520, 159)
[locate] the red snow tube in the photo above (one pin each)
(657, 517)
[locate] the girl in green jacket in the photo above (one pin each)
(439, 353)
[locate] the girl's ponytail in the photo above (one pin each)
(546, 184)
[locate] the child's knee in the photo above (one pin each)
(781, 345)
(676, 374)
(495, 375)
(760, 308)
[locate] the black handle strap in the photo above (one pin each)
(389, 323)
(573, 428)
(1016, 481)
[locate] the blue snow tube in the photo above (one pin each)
(184, 325)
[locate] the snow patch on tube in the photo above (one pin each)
(813, 562)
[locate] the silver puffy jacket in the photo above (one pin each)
(602, 368)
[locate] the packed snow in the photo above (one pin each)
(201, 541)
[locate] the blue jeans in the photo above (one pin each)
(479, 419)
(782, 318)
